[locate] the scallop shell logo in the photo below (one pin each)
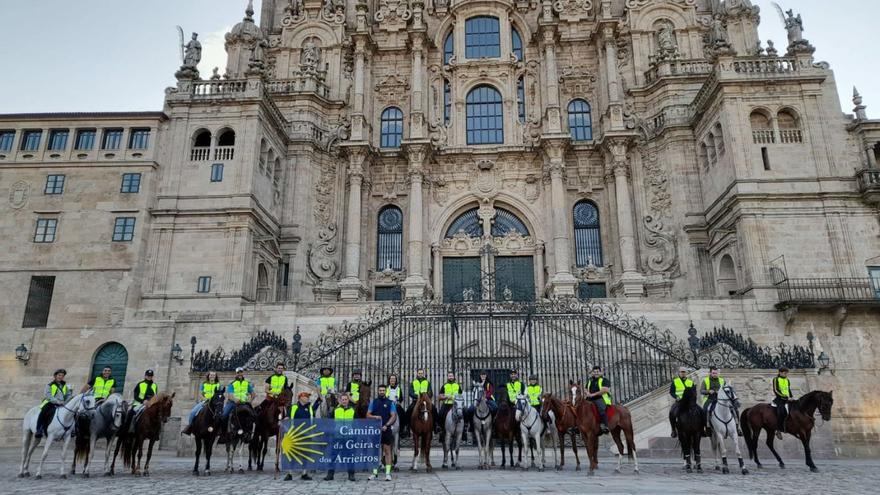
(18, 194)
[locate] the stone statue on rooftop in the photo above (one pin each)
(192, 53)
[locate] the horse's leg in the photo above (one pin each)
(631, 447)
(115, 453)
(209, 450)
(64, 446)
(697, 453)
(770, 436)
(26, 440)
(107, 455)
(574, 448)
(149, 456)
(808, 454)
(45, 454)
(615, 435)
(739, 457)
(686, 451)
(415, 461)
(198, 454)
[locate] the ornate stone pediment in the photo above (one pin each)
(577, 80)
(574, 10)
(640, 4)
(392, 88)
(392, 15)
(513, 241)
(461, 243)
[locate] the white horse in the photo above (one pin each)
(454, 423)
(61, 428)
(102, 422)
(482, 425)
(530, 426)
(723, 422)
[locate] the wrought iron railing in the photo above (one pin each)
(724, 348)
(220, 360)
(827, 290)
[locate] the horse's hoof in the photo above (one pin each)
(577, 468)
(38, 477)
(814, 469)
(781, 465)
(591, 473)
(745, 471)
(616, 470)
(688, 470)
(195, 472)
(444, 466)
(85, 475)
(240, 471)
(699, 469)
(64, 476)
(717, 468)
(540, 470)
(725, 471)
(458, 468)
(146, 474)
(429, 470)
(207, 473)
(636, 471)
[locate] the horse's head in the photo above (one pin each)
(424, 406)
(550, 403)
(215, 405)
(118, 408)
(284, 398)
(163, 402)
(575, 392)
(457, 408)
(521, 404)
(689, 397)
(87, 402)
(479, 394)
(825, 401)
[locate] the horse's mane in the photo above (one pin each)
(811, 398)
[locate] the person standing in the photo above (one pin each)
(343, 412)
(383, 409)
(303, 409)
(55, 395)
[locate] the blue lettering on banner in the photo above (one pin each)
(328, 444)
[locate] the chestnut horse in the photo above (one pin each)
(566, 423)
(421, 424)
(269, 414)
(799, 423)
(507, 431)
(619, 420)
(363, 402)
(148, 427)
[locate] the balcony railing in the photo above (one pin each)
(677, 68)
(200, 154)
(763, 136)
(791, 136)
(869, 179)
(825, 291)
(222, 153)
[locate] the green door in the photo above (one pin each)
(114, 355)
(514, 278)
(461, 275)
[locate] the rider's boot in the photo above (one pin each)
(187, 430)
(329, 476)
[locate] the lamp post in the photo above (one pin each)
(694, 342)
(296, 348)
(824, 363)
(22, 354)
(176, 351)
(192, 351)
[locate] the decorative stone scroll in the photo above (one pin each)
(664, 247)
(392, 15)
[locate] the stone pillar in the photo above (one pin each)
(415, 283)
(562, 283)
(551, 76)
(417, 113)
(438, 262)
(358, 122)
(539, 269)
(631, 280)
(351, 288)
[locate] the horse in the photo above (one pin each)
(689, 425)
(422, 427)
(205, 428)
(102, 422)
(565, 421)
(452, 432)
(395, 435)
(619, 421)
(482, 427)
(61, 428)
(269, 414)
(328, 404)
(800, 423)
(148, 427)
(723, 423)
(241, 430)
(530, 427)
(363, 403)
(507, 430)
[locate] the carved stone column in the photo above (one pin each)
(351, 288)
(417, 112)
(539, 269)
(562, 283)
(438, 261)
(358, 122)
(414, 285)
(551, 76)
(631, 280)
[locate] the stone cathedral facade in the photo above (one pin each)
(650, 153)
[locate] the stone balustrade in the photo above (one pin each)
(200, 154)
(668, 68)
(763, 65)
(791, 136)
(224, 153)
(300, 83)
(763, 136)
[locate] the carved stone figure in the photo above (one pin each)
(258, 54)
(794, 26)
(719, 32)
(310, 56)
(666, 42)
(192, 54)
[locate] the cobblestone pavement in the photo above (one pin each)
(171, 475)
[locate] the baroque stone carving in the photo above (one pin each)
(18, 194)
(392, 15)
(392, 89)
(659, 198)
(322, 256)
(576, 80)
(573, 6)
(664, 259)
(638, 4)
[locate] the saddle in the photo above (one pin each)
(610, 412)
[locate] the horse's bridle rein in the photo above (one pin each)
(75, 413)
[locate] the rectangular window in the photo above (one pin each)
(54, 184)
(217, 172)
(58, 139)
(765, 157)
(139, 139)
(112, 139)
(285, 275)
(482, 37)
(388, 294)
(123, 231)
(6, 140)
(204, 286)
(30, 141)
(874, 273)
(131, 183)
(85, 139)
(45, 232)
(591, 290)
(36, 312)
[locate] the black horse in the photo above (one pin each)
(205, 428)
(689, 424)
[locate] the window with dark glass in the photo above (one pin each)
(467, 223)
(112, 139)
(516, 43)
(204, 285)
(587, 238)
(482, 37)
(579, 120)
(391, 128)
(58, 139)
(217, 172)
(36, 311)
(389, 245)
(131, 183)
(45, 231)
(448, 48)
(447, 101)
(505, 222)
(388, 294)
(521, 99)
(591, 290)
(30, 140)
(6, 140)
(85, 139)
(54, 184)
(484, 116)
(139, 139)
(123, 230)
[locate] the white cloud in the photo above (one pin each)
(213, 52)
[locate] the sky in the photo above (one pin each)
(120, 55)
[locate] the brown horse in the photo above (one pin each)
(269, 414)
(566, 423)
(205, 428)
(799, 423)
(363, 402)
(148, 427)
(421, 424)
(619, 420)
(507, 431)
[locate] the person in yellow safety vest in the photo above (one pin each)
(782, 396)
(207, 390)
(514, 387)
(55, 395)
(709, 390)
(676, 390)
(447, 396)
(598, 389)
(421, 385)
(275, 384)
(102, 385)
(326, 382)
(302, 409)
(343, 412)
(145, 390)
(354, 386)
(239, 391)
(533, 390)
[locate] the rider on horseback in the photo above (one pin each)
(275, 384)
(421, 385)
(326, 382)
(489, 390)
(534, 392)
(447, 394)
(238, 392)
(597, 391)
(676, 390)
(709, 390)
(354, 386)
(209, 388)
(143, 391)
(782, 393)
(101, 386)
(56, 394)
(514, 387)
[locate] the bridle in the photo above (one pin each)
(525, 406)
(75, 413)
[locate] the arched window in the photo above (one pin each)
(789, 127)
(202, 138)
(580, 122)
(505, 222)
(201, 148)
(276, 173)
(762, 128)
(389, 245)
(485, 116)
(448, 48)
(516, 43)
(447, 101)
(521, 99)
(587, 237)
(114, 355)
(262, 283)
(727, 283)
(227, 138)
(392, 128)
(468, 222)
(482, 37)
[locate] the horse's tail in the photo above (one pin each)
(128, 450)
(751, 443)
(83, 439)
